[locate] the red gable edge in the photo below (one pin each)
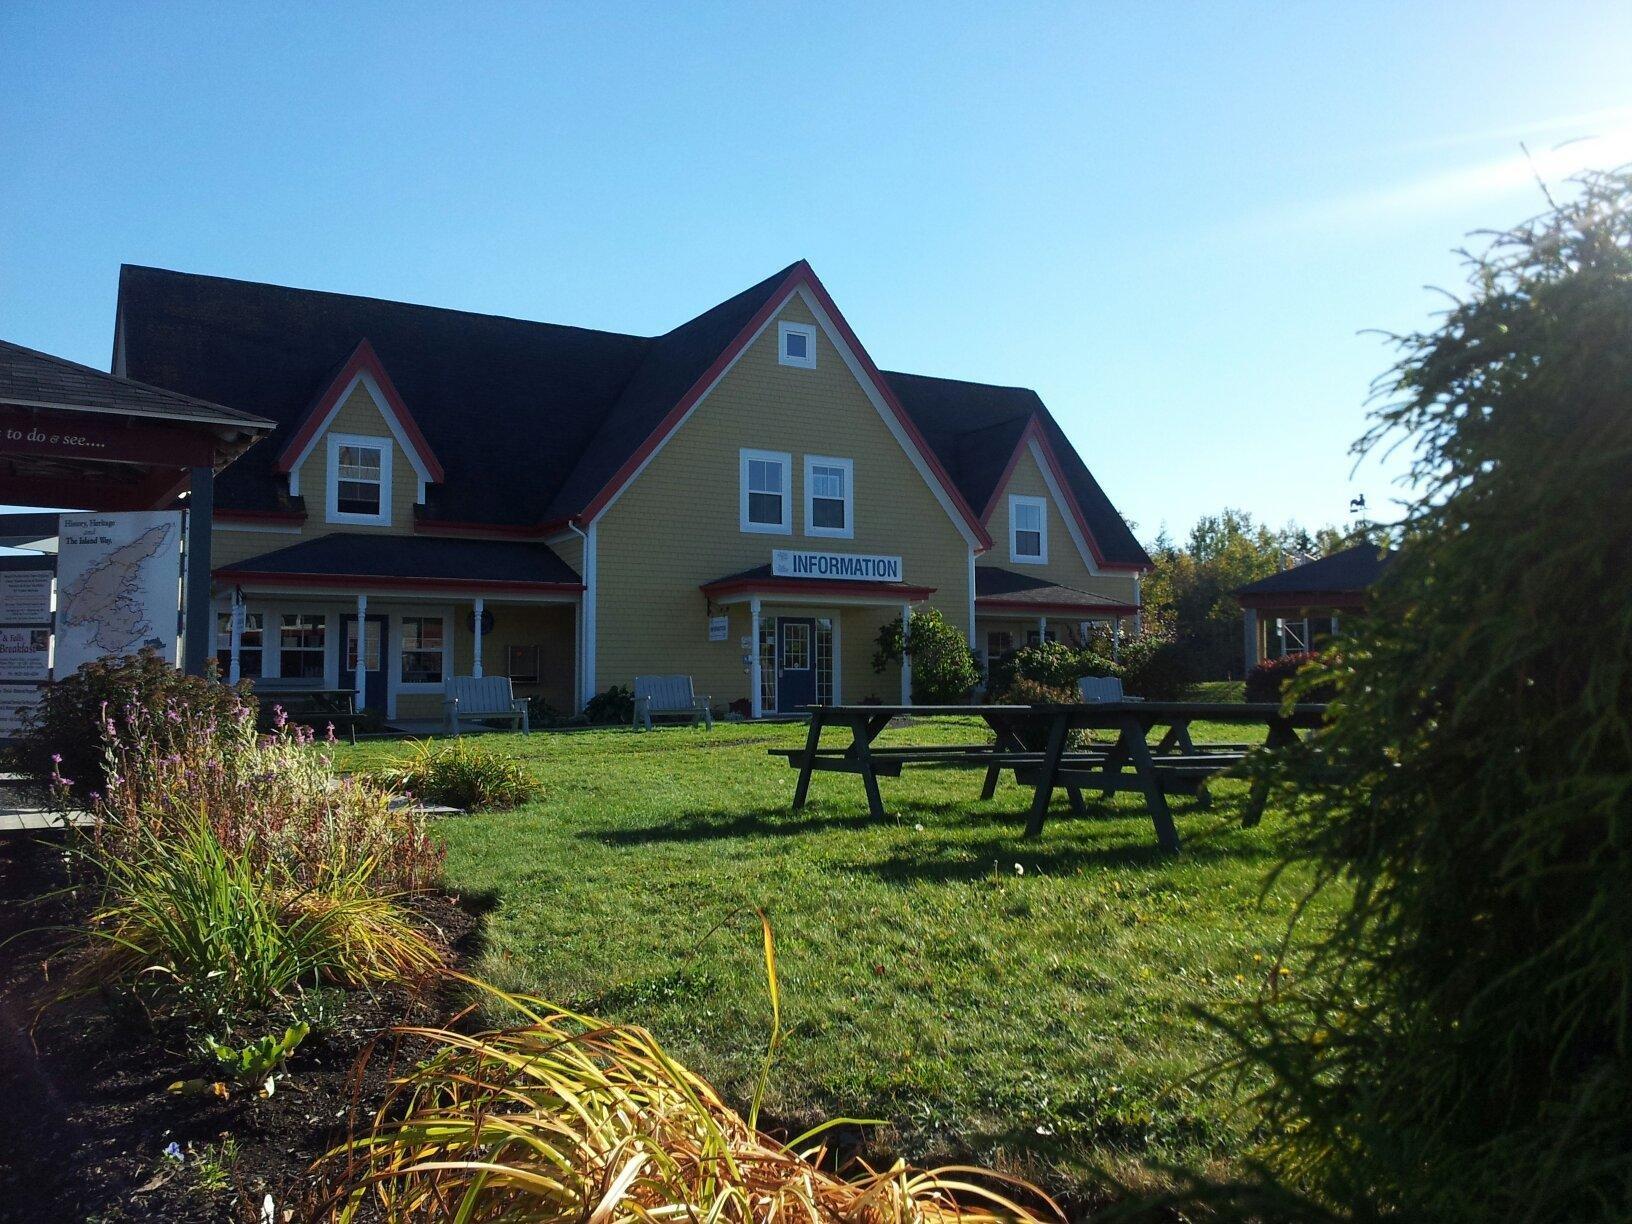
(362, 360)
(802, 274)
(1034, 430)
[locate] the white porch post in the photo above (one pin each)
(1042, 629)
(362, 650)
(1116, 638)
(235, 621)
(753, 658)
(906, 655)
(476, 664)
(1249, 635)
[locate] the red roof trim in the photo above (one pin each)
(475, 586)
(363, 359)
(1303, 599)
(801, 275)
(1034, 430)
(990, 603)
(814, 586)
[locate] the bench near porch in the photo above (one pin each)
(481, 700)
(669, 697)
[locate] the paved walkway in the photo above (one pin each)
(23, 808)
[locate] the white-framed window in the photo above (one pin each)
(424, 646)
(359, 488)
(796, 345)
(303, 645)
(766, 503)
(830, 497)
(1028, 530)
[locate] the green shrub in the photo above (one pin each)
(1053, 664)
(1154, 666)
(944, 669)
(66, 731)
(1460, 1048)
(461, 773)
(614, 707)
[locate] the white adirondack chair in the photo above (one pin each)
(669, 697)
(482, 699)
(1103, 688)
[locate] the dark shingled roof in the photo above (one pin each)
(28, 376)
(432, 557)
(1352, 570)
(995, 586)
(530, 420)
(974, 428)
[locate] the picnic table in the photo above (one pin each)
(1174, 765)
(309, 705)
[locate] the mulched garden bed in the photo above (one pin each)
(85, 1088)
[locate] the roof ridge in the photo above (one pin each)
(967, 382)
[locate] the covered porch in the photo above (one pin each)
(392, 619)
(810, 641)
(1014, 610)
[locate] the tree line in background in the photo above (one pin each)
(1189, 597)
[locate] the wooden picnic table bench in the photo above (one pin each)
(1174, 765)
(308, 704)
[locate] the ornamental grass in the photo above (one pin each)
(568, 1118)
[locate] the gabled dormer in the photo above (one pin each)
(357, 458)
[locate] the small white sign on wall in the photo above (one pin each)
(851, 567)
(719, 628)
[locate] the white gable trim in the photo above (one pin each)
(1062, 506)
(390, 418)
(868, 387)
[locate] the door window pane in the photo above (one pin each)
(371, 646)
(796, 647)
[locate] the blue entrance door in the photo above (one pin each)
(795, 663)
(373, 659)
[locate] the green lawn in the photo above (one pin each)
(982, 993)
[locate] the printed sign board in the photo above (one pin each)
(15, 702)
(719, 628)
(25, 597)
(25, 654)
(118, 586)
(799, 563)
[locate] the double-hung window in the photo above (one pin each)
(829, 497)
(302, 645)
(766, 496)
(1028, 530)
(359, 489)
(423, 647)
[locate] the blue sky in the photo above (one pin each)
(1174, 221)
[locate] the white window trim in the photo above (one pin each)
(331, 504)
(450, 664)
(848, 531)
(1041, 503)
(785, 527)
(783, 331)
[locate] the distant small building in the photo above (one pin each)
(1292, 610)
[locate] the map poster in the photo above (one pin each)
(16, 700)
(118, 586)
(25, 597)
(25, 654)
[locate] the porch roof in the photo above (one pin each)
(1340, 580)
(999, 590)
(347, 559)
(761, 581)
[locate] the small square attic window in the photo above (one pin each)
(796, 345)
